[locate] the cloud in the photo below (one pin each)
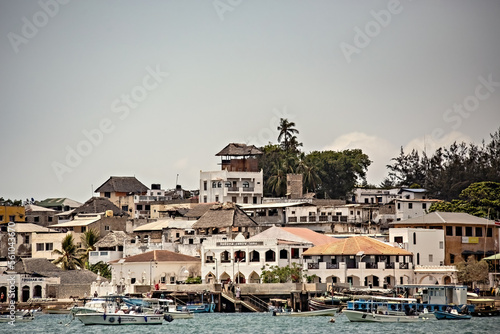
(379, 150)
(431, 143)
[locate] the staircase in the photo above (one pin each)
(249, 301)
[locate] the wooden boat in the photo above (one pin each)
(361, 316)
(484, 308)
(201, 307)
(121, 318)
(324, 312)
(451, 315)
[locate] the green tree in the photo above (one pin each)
(277, 274)
(89, 238)
(101, 268)
(472, 271)
(310, 169)
(70, 257)
(287, 131)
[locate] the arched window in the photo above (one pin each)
(246, 184)
(227, 184)
(214, 184)
(219, 184)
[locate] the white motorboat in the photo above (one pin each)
(120, 318)
(167, 306)
(380, 316)
(19, 316)
(324, 312)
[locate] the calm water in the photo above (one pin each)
(252, 323)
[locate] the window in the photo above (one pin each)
(468, 231)
(246, 184)
(49, 246)
(227, 184)
(124, 207)
(418, 258)
(1, 218)
(36, 219)
(255, 200)
(132, 280)
(410, 205)
(107, 194)
(205, 185)
(430, 258)
(26, 239)
(139, 206)
(399, 206)
(452, 258)
(245, 200)
(366, 200)
(84, 229)
(479, 231)
(458, 231)
(449, 230)
(399, 240)
(489, 232)
(414, 238)
(12, 218)
(49, 219)
(214, 184)
(216, 198)
(441, 245)
(424, 206)
(106, 227)
(233, 199)
(147, 207)
(204, 199)
(39, 247)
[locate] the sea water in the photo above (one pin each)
(253, 323)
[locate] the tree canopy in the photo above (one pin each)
(70, 256)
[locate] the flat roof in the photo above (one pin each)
(272, 205)
(77, 222)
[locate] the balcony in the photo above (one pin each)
(313, 266)
(403, 266)
(332, 265)
(233, 189)
(248, 189)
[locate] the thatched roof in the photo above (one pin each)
(44, 267)
(113, 239)
(199, 210)
(234, 149)
(99, 205)
(124, 184)
(224, 215)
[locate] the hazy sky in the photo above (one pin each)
(90, 89)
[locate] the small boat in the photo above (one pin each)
(201, 307)
(20, 316)
(167, 306)
(451, 315)
(324, 312)
(362, 316)
(121, 318)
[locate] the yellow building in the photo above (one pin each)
(12, 214)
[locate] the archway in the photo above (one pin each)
(332, 280)
(447, 280)
(254, 256)
(3, 293)
(254, 278)
(354, 280)
(37, 291)
(283, 254)
(25, 294)
(239, 278)
(210, 278)
(224, 277)
(389, 282)
(270, 256)
(428, 279)
(372, 281)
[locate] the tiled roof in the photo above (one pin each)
(160, 256)
(235, 149)
(125, 184)
(355, 245)
(441, 218)
(99, 205)
(314, 237)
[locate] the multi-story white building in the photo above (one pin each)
(374, 196)
(238, 181)
(427, 245)
(411, 208)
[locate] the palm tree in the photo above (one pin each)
(89, 239)
(287, 131)
(310, 173)
(277, 181)
(70, 256)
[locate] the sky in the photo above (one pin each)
(92, 89)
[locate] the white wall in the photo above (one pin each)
(428, 242)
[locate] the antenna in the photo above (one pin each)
(177, 180)
(91, 190)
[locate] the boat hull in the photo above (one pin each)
(325, 312)
(450, 316)
(360, 316)
(119, 319)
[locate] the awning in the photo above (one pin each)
(493, 257)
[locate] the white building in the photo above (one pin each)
(238, 181)
(427, 245)
(374, 196)
(411, 208)
(242, 260)
(360, 261)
